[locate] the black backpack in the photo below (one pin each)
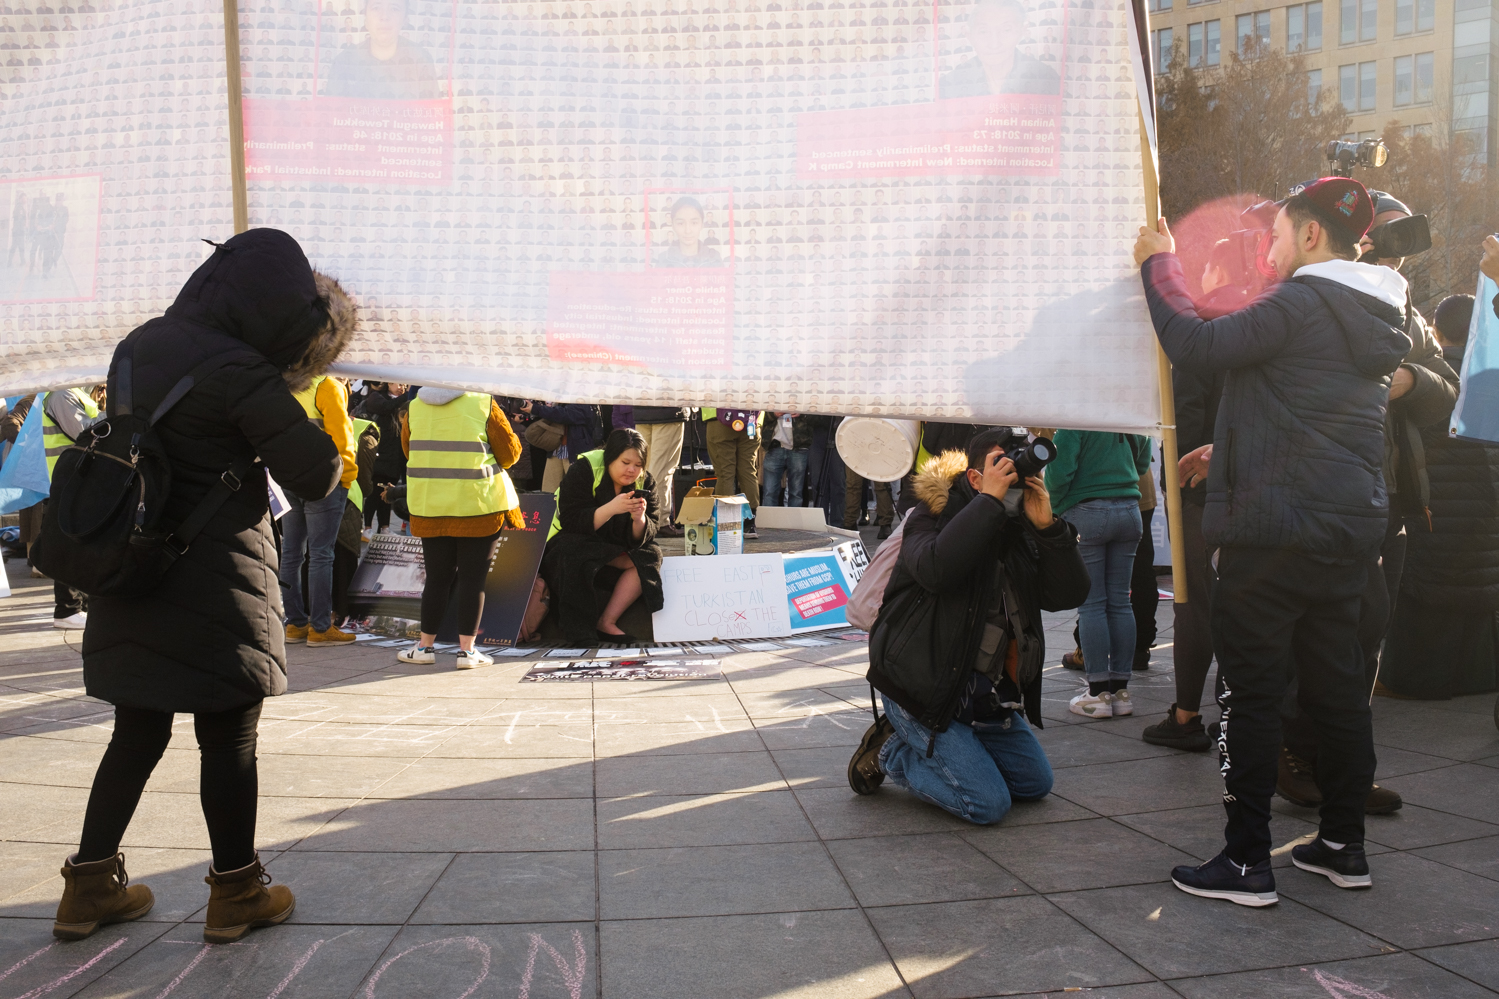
(102, 531)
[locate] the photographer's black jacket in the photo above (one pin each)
(1299, 438)
(949, 548)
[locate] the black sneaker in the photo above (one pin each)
(885, 531)
(1177, 735)
(1346, 868)
(864, 773)
(1222, 878)
(1142, 661)
(749, 528)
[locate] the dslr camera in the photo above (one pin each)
(1031, 457)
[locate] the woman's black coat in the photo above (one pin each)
(210, 637)
(575, 566)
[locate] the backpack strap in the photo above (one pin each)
(186, 382)
(229, 483)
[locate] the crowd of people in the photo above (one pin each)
(1340, 544)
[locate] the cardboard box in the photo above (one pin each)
(714, 525)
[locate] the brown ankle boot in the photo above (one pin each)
(240, 901)
(97, 893)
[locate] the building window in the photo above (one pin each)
(1425, 74)
(1405, 72)
(1367, 76)
(1304, 27)
(1162, 41)
(1156, 6)
(1348, 87)
(1194, 45)
(1213, 45)
(1255, 25)
(1313, 86)
(1359, 21)
(1415, 15)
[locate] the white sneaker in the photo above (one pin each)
(367, 533)
(72, 623)
(472, 658)
(418, 654)
(1092, 706)
(1122, 705)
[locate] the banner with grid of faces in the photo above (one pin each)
(885, 207)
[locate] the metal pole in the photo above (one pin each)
(236, 117)
(1168, 401)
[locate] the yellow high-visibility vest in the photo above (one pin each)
(595, 461)
(308, 398)
(54, 441)
(451, 471)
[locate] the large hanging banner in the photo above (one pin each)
(886, 207)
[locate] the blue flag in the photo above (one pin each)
(1476, 416)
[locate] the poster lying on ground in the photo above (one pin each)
(886, 207)
(627, 669)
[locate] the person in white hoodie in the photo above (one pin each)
(1297, 508)
(458, 445)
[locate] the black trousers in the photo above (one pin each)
(460, 563)
(1192, 654)
(1275, 614)
(1144, 595)
(227, 785)
(1376, 610)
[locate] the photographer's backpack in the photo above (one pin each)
(102, 531)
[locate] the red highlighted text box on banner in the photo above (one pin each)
(1001, 135)
(349, 139)
(669, 318)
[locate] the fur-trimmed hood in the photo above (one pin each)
(259, 288)
(934, 483)
(323, 349)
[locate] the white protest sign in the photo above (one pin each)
(722, 596)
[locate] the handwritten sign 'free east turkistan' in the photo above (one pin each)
(722, 596)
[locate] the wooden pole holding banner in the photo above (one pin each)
(236, 116)
(1168, 396)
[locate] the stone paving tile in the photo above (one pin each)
(910, 870)
(951, 950)
(1478, 962)
(366, 888)
(719, 881)
(459, 826)
(34, 964)
(1176, 935)
(702, 773)
(1393, 976)
(487, 960)
(793, 955)
(1476, 856)
(1450, 790)
(1176, 781)
(1437, 904)
(543, 887)
(701, 820)
(1091, 853)
(443, 777)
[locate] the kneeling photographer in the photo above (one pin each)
(958, 647)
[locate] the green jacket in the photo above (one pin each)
(1093, 464)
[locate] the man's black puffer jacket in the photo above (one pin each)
(1299, 441)
(210, 637)
(949, 547)
(1453, 562)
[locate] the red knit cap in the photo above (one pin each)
(1345, 201)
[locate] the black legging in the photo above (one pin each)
(227, 784)
(466, 561)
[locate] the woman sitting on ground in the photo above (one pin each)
(603, 541)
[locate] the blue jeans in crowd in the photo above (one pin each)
(974, 772)
(309, 531)
(794, 464)
(1109, 533)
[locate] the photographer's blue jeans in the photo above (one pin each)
(975, 771)
(308, 532)
(1108, 535)
(794, 464)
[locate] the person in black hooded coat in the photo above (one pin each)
(209, 640)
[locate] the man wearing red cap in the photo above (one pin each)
(1297, 508)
